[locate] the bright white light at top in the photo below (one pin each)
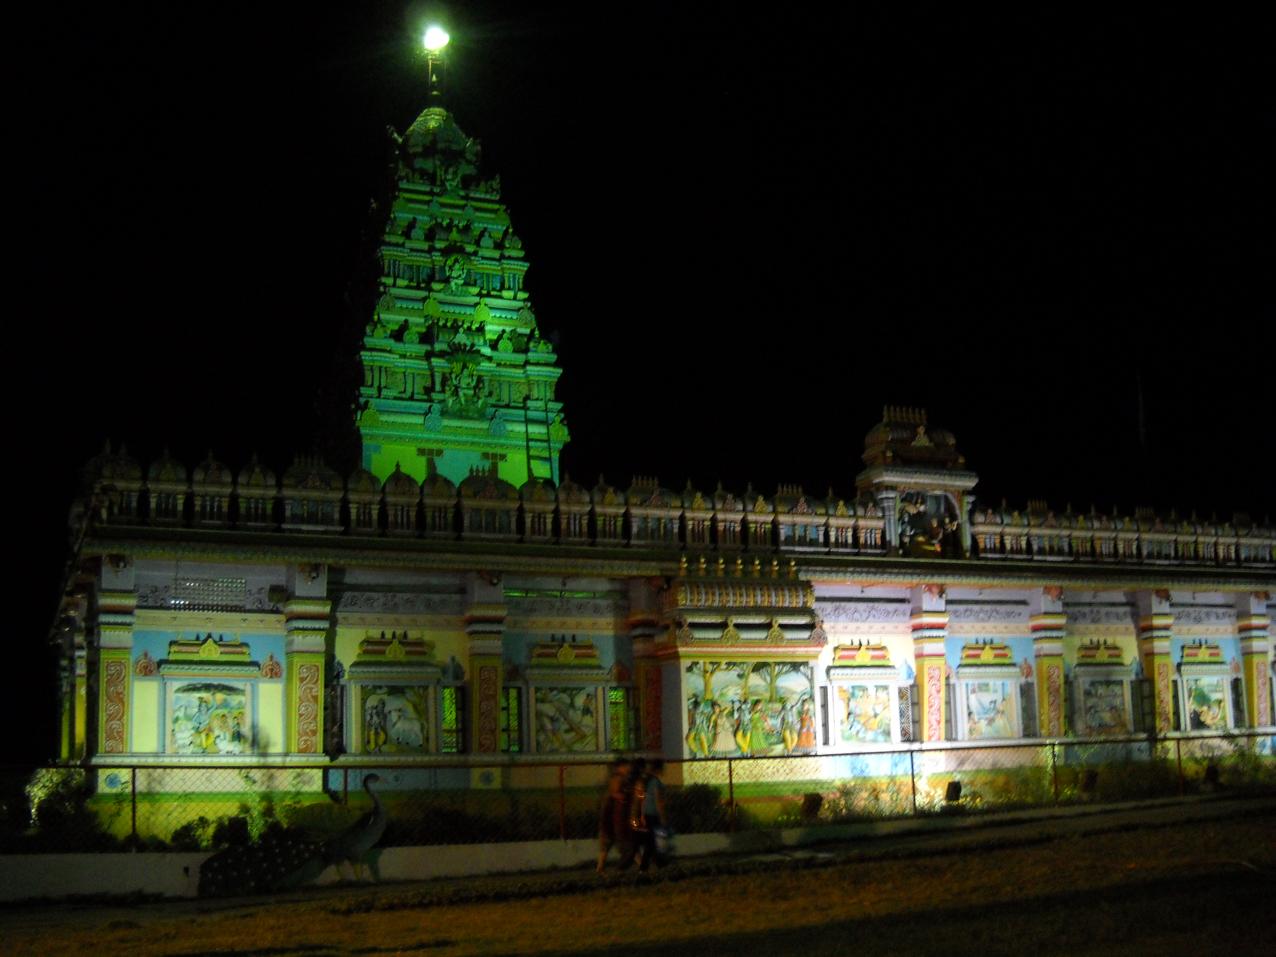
(436, 38)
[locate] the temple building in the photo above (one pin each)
(458, 601)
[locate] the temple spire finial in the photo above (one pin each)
(435, 41)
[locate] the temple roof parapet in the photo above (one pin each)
(315, 499)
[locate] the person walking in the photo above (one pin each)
(655, 817)
(613, 798)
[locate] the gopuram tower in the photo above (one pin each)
(456, 376)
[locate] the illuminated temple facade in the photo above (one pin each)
(456, 600)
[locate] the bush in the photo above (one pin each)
(60, 818)
(696, 808)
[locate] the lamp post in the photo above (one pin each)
(436, 38)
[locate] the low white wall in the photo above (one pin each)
(33, 876)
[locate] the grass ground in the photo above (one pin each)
(1109, 886)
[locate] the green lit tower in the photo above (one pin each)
(456, 375)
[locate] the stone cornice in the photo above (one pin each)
(563, 559)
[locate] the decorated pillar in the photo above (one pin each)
(965, 505)
(115, 650)
(930, 631)
(1253, 627)
(888, 502)
(644, 628)
(1048, 625)
(79, 703)
(307, 615)
(485, 615)
(1156, 623)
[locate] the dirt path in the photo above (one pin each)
(1170, 880)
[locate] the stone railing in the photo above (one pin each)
(488, 511)
(1143, 540)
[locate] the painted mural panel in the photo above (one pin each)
(566, 719)
(988, 710)
(1104, 703)
(866, 712)
(396, 719)
(743, 709)
(207, 717)
(1206, 703)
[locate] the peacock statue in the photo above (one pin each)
(353, 844)
(283, 859)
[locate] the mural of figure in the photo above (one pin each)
(758, 743)
(789, 726)
(988, 710)
(724, 730)
(374, 724)
(693, 707)
(806, 727)
(744, 732)
(566, 719)
(752, 709)
(209, 718)
(704, 725)
(1205, 704)
(867, 713)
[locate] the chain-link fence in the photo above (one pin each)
(171, 807)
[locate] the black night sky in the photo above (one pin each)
(747, 233)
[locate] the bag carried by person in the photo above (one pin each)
(638, 819)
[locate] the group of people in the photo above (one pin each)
(633, 817)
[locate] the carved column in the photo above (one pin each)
(307, 618)
(115, 643)
(116, 607)
(485, 615)
(307, 628)
(965, 504)
(644, 628)
(888, 502)
(78, 705)
(930, 631)
(1253, 627)
(1049, 626)
(1156, 624)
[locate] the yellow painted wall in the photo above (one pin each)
(447, 644)
(270, 718)
(1128, 644)
(145, 718)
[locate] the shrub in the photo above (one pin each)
(696, 807)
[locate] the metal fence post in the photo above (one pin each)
(1054, 772)
(1178, 750)
(345, 786)
(133, 804)
(730, 795)
(912, 778)
(562, 803)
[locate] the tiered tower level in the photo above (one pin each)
(456, 376)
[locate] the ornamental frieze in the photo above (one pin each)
(1001, 629)
(837, 630)
(567, 608)
(399, 603)
(1098, 615)
(160, 596)
(987, 614)
(1204, 616)
(864, 612)
(741, 593)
